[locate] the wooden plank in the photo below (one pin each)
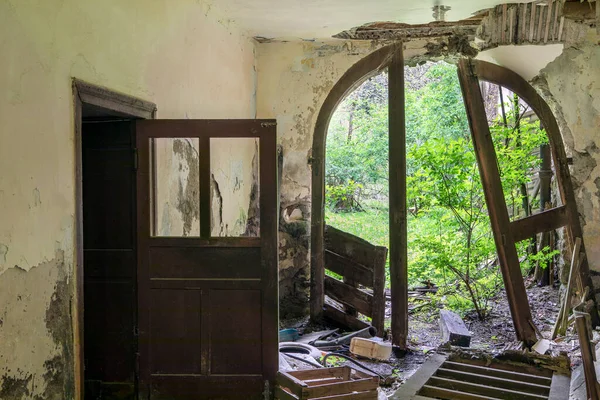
(484, 390)
(587, 354)
(378, 301)
(494, 195)
(419, 378)
(347, 245)
(533, 9)
(370, 395)
(346, 267)
(321, 373)
(343, 319)
(281, 394)
(348, 295)
(559, 389)
(544, 221)
(397, 200)
(453, 329)
(548, 20)
(498, 373)
(441, 393)
(362, 385)
(294, 385)
(493, 381)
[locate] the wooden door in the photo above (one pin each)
(506, 232)
(207, 249)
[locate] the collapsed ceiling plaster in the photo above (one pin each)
(322, 19)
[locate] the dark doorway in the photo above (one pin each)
(106, 240)
(109, 238)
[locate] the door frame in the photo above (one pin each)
(390, 56)
(124, 105)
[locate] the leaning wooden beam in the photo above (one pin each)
(494, 195)
(589, 369)
(545, 221)
(397, 199)
(561, 325)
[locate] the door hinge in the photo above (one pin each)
(135, 159)
(136, 331)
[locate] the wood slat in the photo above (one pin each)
(370, 395)
(350, 246)
(494, 381)
(281, 394)
(483, 390)
(349, 295)
(362, 385)
(321, 373)
(544, 221)
(343, 319)
(346, 267)
(559, 389)
(441, 393)
(517, 376)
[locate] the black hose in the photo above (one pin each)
(336, 354)
(313, 363)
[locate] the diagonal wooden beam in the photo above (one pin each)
(494, 196)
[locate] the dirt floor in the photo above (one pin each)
(494, 335)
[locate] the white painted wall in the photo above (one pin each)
(179, 54)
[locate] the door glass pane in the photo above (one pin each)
(176, 182)
(234, 187)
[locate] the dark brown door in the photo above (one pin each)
(207, 248)
(109, 259)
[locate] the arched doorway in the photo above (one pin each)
(506, 233)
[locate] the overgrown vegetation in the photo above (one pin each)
(449, 239)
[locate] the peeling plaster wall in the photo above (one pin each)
(178, 54)
(294, 79)
(571, 86)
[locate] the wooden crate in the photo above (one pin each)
(331, 383)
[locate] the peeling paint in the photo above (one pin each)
(188, 198)
(571, 86)
(36, 359)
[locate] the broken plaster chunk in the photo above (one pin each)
(454, 330)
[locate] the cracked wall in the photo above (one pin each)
(571, 86)
(294, 79)
(181, 55)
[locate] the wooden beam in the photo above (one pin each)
(343, 319)
(378, 317)
(348, 295)
(397, 199)
(544, 221)
(496, 204)
(346, 267)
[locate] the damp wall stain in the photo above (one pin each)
(36, 358)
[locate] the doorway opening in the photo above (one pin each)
(473, 246)
(106, 240)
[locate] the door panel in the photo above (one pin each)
(175, 325)
(207, 248)
(235, 332)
